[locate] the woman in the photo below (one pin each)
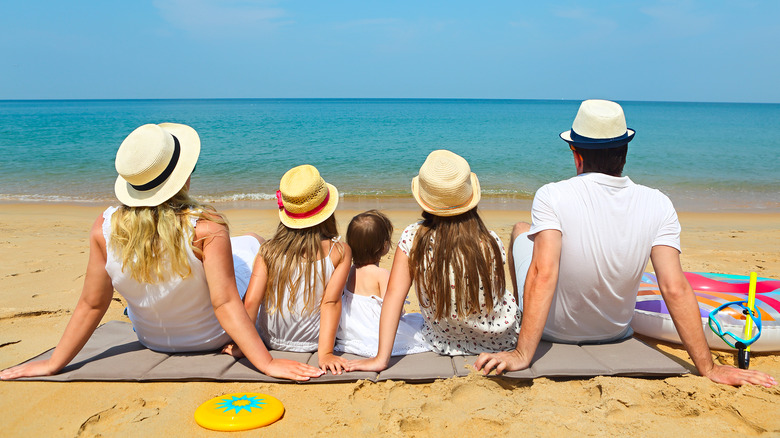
(170, 257)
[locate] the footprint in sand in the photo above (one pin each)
(104, 423)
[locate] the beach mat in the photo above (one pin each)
(113, 353)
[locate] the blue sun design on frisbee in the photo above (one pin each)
(239, 404)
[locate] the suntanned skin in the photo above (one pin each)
(677, 293)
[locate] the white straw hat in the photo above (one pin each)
(446, 186)
(600, 124)
(154, 162)
(304, 198)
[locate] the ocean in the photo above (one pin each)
(705, 156)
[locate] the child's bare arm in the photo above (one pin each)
(256, 289)
(330, 311)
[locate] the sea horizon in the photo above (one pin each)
(511, 99)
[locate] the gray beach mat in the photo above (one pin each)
(113, 353)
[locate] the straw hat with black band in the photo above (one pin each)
(304, 198)
(600, 124)
(446, 186)
(154, 162)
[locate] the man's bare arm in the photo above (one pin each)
(537, 298)
(684, 309)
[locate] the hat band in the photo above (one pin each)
(309, 213)
(449, 208)
(165, 173)
(576, 138)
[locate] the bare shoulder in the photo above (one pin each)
(96, 232)
(339, 251)
(206, 228)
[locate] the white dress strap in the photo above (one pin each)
(194, 216)
(107, 222)
(334, 240)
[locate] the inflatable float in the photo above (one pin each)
(651, 316)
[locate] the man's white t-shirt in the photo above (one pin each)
(608, 226)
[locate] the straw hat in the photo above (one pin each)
(304, 198)
(446, 186)
(600, 124)
(154, 162)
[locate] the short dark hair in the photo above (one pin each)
(609, 161)
(367, 235)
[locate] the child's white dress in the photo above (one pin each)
(491, 330)
(359, 328)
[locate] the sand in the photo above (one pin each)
(44, 254)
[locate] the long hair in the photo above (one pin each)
(290, 257)
(151, 241)
(463, 246)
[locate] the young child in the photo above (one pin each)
(456, 264)
(369, 235)
(295, 290)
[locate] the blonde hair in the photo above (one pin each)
(463, 246)
(290, 257)
(150, 240)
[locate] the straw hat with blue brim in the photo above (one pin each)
(304, 198)
(446, 186)
(154, 162)
(600, 124)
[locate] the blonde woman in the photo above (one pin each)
(170, 257)
(456, 265)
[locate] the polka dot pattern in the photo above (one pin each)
(490, 330)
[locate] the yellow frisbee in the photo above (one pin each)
(239, 411)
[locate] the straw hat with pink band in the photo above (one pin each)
(304, 198)
(446, 186)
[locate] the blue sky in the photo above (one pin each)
(726, 51)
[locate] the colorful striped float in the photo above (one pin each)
(651, 316)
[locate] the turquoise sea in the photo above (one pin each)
(706, 156)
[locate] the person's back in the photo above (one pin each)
(592, 237)
(609, 225)
(175, 313)
(293, 322)
(368, 280)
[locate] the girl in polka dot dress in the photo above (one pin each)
(456, 265)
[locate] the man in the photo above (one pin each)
(582, 259)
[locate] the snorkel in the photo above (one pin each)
(742, 345)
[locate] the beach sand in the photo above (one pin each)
(44, 255)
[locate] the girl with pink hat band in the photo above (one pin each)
(295, 291)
